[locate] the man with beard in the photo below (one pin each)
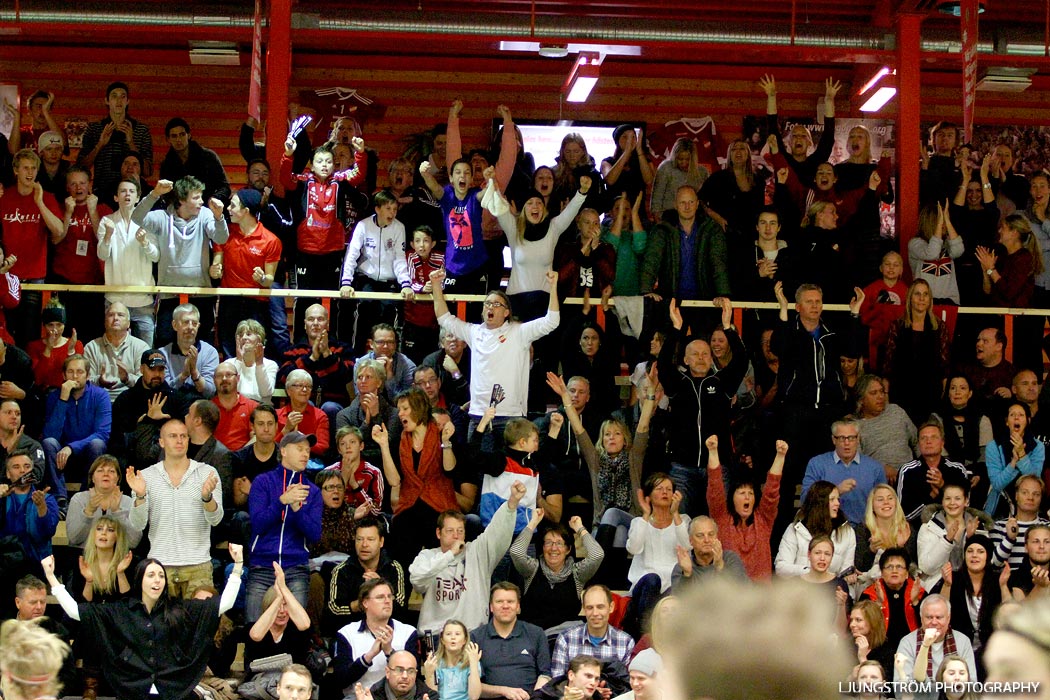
(1032, 577)
(139, 412)
(235, 410)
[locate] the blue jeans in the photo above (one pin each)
(691, 481)
(621, 520)
(76, 462)
(261, 578)
(143, 323)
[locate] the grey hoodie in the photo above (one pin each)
(184, 252)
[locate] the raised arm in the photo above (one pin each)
(437, 280)
(436, 190)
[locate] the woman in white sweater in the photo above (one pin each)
(932, 255)
(257, 373)
(819, 515)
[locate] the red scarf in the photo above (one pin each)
(430, 483)
(949, 648)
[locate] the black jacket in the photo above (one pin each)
(810, 374)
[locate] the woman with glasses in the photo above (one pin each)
(554, 582)
(302, 415)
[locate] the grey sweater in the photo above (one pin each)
(184, 251)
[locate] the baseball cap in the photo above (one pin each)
(295, 436)
(49, 138)
(153, 359)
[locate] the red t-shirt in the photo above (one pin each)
(76, 256)
(24, 232)
(235, 426)
(241, 254)
(314, 422)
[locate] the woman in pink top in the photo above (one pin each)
(746, 530)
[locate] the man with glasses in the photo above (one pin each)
(399, 367)
(401, 681)
(853, 474)
(452, 363)
(362, 649)
(299, 414)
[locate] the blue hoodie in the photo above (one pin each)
(280, 534)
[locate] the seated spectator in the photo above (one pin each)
(179, 650)
(854, 474)
(191, 362)
(28, 514)
(16, 373)
(180, 517)
(564, 447)
(820, 515)
(247, 260)
(337, 519)
(13, 437)
(582, 679)
(79, 419)
(705, 557)
(295, 682)
(868, 630)
(555, 598)
(653, 541)
(943, 535)
(821, 552)
(104, 563)
(362, 649)
(139, 412)
(887, 434)
(299, 414)
(257, 373)
(916, 354)
(368, 561)
(884, 302)
(1025, 456)
(427, 378)
(452, 363)
(401, 680)
(920, 482)
(113, 357)
(884, 527)
(330, 362)
(967, 430)
(595, 637)
(449, 576)
(519, 660)
(897, 594)
(127, 254)
(235, 409)
(271, 634)
(742, 528)
(454, 668)
(975, 591)
(32, 660)
(398, 367)
(921, 651)
(285, 510)
(48, 353)
(423, 490)
(363, 482)
(1009, 278)
(102, 498)
(1031, 577)
(370, 408)
(989, 374)
(586, 354)
(1009, 534)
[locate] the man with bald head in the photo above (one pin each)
(329, 361)
(705, 556)
(700, 399)
(400, 682)
(235, 410)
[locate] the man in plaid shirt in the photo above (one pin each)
(595, 638)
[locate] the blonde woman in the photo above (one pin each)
(884, 527)
(257, 373)
(30, 659)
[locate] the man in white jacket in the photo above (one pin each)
(454, 578)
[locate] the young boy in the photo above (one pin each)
(128, 254)
(321, 236)
(517, 460)
(375, 262)
(883, 304)
(465, 255)
(420, 334)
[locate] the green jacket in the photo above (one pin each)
(662, 263)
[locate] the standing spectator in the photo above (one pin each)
(916, 354)
(30, 218)
(75, 258)
(628, 171)
(112, 358)
(202, 419)
(182, 232)
(679, 169)
(855, 474)
(187, 158)
(884, 300)
(191, 363)
(976, 216)
(41, 120)
(181, 499)
(932, 254)
(285, 510)
(1010, 278)
(421, 329)
(79, 419)
(128, 254)
(108, 141)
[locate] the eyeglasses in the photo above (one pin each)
(554, 545)
(846, 438)
(402, 671)
(307, 387)
(895, 567)
(334, 488)
(383, 342)
(426, 382)
(495, 305)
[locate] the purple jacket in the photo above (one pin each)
(280, 534)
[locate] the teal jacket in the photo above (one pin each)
(661, 266)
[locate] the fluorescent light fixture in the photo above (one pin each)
(880, 98)
(883, 72)
(582, 78)
(541, 48)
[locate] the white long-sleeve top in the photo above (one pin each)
(530, 260)
(500, 356)
(126, 261)
(793, 554)
(257, 382)
(378, 252)
(653, 549)
(226, 601)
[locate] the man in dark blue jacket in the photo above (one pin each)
(285, 511)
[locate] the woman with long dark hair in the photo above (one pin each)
(820, 514)
(628, 170)
(151, 644)
(975, 590)
(1013, 452)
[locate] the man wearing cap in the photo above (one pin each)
(247, 260)
(181, 500)
(114, 356)
(285, 510)
(53, 167)
(642, 671)
(186, 157)
(108, 141)
(140, 411)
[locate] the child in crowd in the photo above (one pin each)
(454, 669)
(420, 335)
(883, 304)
